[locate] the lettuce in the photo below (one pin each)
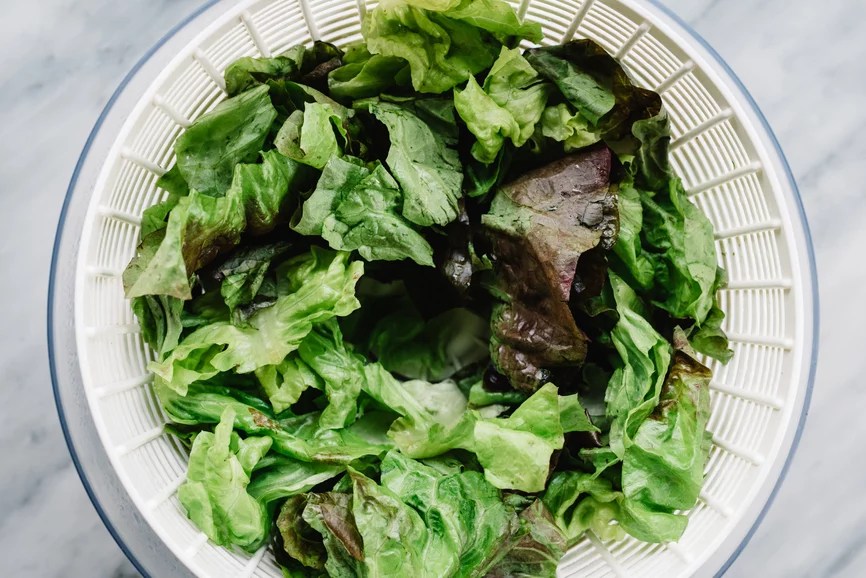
(508, 106)
(233, 132)
(322, 287)
(214, 494)
(422, 162)
(355, 208)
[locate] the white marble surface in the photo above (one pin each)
(60, 60)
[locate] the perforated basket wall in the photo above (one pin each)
(714, 150)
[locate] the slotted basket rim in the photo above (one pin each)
(761, 127)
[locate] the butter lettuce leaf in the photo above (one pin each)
(233, 132)
(355, 208)
(215, 495)
(322, 286)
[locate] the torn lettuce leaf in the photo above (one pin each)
(284, 382)
(159, 317)
(515, 451)
(447, 44)
(233, 132)
(635, 386)
(277, 477)
(313, 136)
(537, 227)
(664, 465)
(406, 344)
(355, 208)
(507, 106)
(214, 494)
(322, 286)
(424, 163)
(200, 227)
(299, 63)
(339, 369)
(365, 75)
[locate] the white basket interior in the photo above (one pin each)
(712, 150)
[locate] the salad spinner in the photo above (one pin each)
(722, 148)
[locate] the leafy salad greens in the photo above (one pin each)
(431, 305)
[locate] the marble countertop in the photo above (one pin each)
(62, 59)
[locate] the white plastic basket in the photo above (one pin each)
(727, 159)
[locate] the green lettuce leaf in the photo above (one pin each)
(635, 386)
(340, 370)
(570, 128)
(442, 52)
(298, 63)
(243, 273)
(214, 494)
(427, 169)
(285, 382)
(664, 465)
(283, 477)
(460, 541)
(508, 106)
(298, 437)
(322, 286)
(515, 451)
(309, 137)
(199, 228)
(600, 90)
(357, 209)
(159, 317)
(233, 132)
(495, 16)
(365, 75)
(433, 350)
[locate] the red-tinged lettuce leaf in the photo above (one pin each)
(663, 467)
(538, 227)
(539, 547)
(596, 85)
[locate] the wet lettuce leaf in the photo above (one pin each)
(331, 515)
(460, 541)
(515, 451)
(356, 208)
(242, 275)
(214, 494)
(507, 106)
(159, 317)
(200, 227)
(423, 162)
(664, 465)
(339, 369)
(444, 43)
(297, 437)
(299, 63)
(431, 350)
(540, 544)
(284, 382)
(322, 286)
(538, 226)
(365, 75)
(313, 136)
(277, 477)
(598, 88)
(233, 132)
(635, 386)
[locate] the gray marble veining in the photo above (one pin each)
(61, 59)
